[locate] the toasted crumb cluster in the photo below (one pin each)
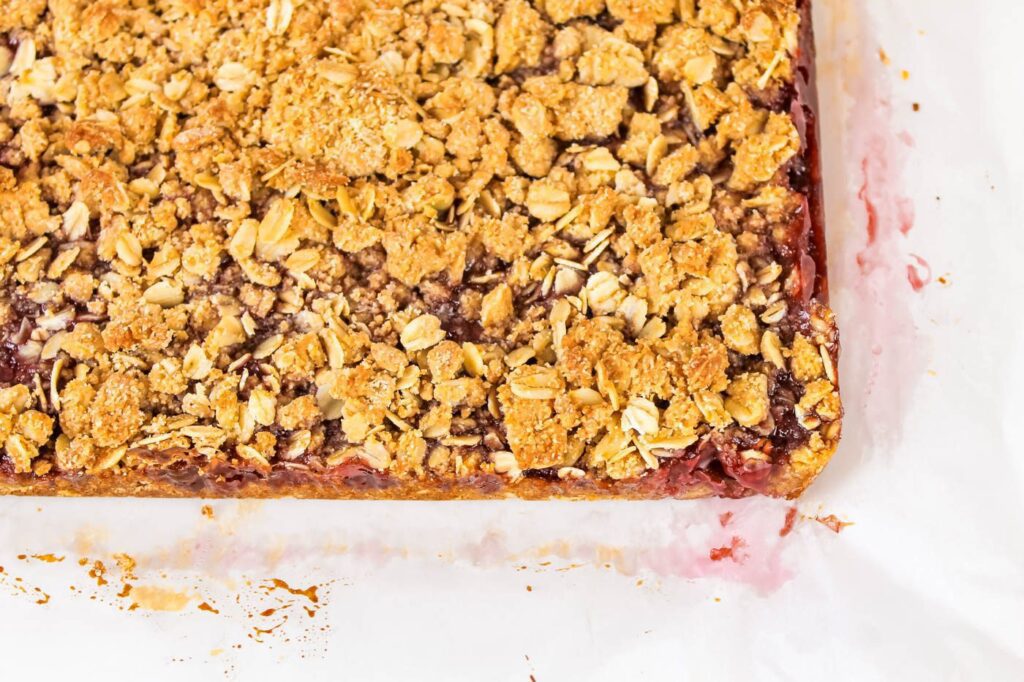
(434, 241)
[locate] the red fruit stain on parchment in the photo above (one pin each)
(730, 551)
(787, 526)
(737, 542)
(876, 166)
(919, 274)
(888, 214)
(876, 282)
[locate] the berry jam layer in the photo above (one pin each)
(474, 248)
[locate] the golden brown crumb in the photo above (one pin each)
(301, 413)
(117, 409)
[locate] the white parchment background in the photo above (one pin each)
(928, 584)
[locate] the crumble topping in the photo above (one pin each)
(435, 239)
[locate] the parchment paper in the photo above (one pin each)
(927, 584)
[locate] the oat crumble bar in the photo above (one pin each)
(413, 249)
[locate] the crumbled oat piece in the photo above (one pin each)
(301, 413)
(771, 349)
(21, 452)
(604, 293)
(445, 360)
(14, 399)
(507, 238)
(262, 406)
(547, 201)
(335, 123)
(75, 401)
(748, 399)
(196, 364)
(537, 439)
(535, 383)
(84, 342)
(35, 426)
(580, 111)
(422, 332)
(740, 330)
(706, 365)
(78, 454)
(686, 53)
(561, 11)
(641, 17)
(116, 413)
(760, 156)
(713, 409)
(520, 36)
(410, 451)
(497, 307)
(166, 377)
(641, 416)
(805, 360)
(610, 61)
